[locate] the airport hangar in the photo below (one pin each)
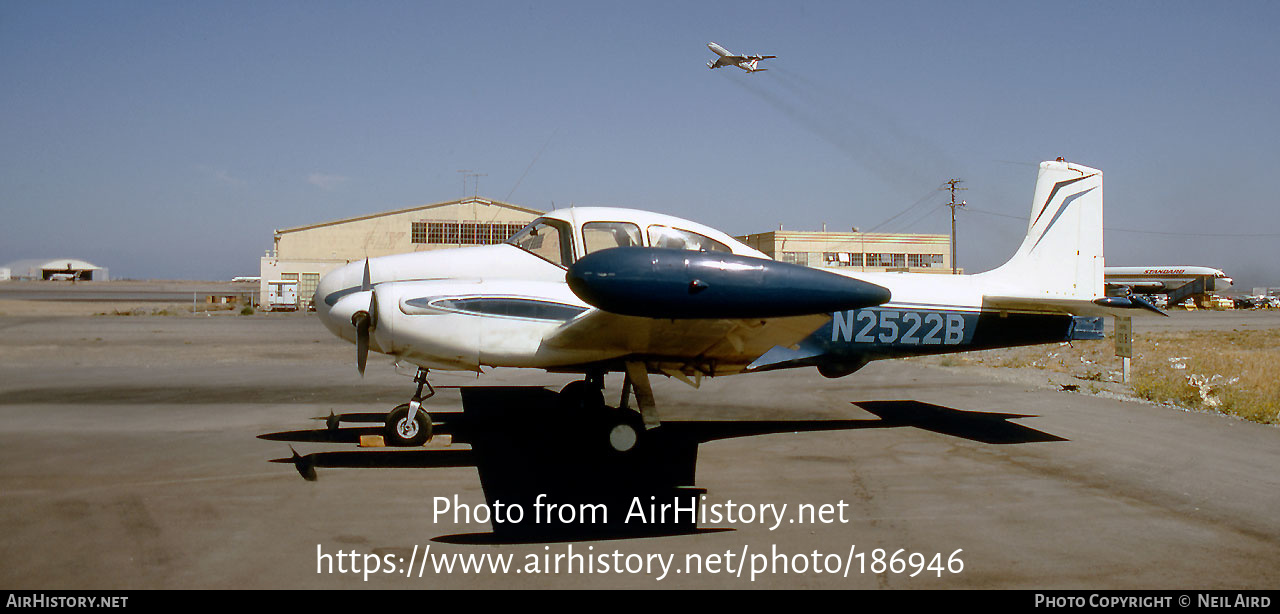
(305, 253)
(55, 268)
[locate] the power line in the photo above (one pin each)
(927, 215)
(1136, 230)
(531, 163)
(1016, 217)
(1193, 234)
(927, 196)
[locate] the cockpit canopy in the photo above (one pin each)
(563, 236)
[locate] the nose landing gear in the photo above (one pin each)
(408, 425)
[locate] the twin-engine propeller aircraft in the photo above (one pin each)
(600, 290)
(727, 58)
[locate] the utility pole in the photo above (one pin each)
(951, 185)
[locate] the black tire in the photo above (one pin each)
(581, 395)
(400, 431)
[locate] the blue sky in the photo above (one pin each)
(168, 140)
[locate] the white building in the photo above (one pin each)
(305, 253)
(65, 269)
(861, 251)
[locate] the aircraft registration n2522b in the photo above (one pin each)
(601, 290)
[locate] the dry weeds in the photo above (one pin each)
(1236, 372)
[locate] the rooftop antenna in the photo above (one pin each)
(951, 185)
(468, 173)
(464, 181)
(477, 176)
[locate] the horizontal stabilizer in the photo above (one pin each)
(782, 355)
(1105, 306)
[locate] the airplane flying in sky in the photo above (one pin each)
(603, 290)
(727, 58)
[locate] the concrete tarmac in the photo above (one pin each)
(130, 457)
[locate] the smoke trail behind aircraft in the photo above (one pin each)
(871, 137)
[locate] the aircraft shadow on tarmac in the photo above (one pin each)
(526, 444)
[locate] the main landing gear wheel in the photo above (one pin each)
(625, 430)
(401, 430)
(582, 395)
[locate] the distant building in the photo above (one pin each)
(861, 251)
(56, 269)
(305, 253)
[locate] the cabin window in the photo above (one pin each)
(675, 238)
(604, 235)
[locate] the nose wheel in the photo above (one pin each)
(408, 425)
(404, 430)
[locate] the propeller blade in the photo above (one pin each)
(362, 323)
(365, 321)
(305, 466)
(367, 282)
(332, 421)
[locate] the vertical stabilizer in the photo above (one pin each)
(1061, 256)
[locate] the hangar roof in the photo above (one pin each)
(42, 264)
(483, 201)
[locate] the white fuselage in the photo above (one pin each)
(510, 305)
(728, 58)
(1159, 279)
(423, 313)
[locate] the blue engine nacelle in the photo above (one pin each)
(671, 283)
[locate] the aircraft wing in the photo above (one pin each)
(726, 341)
(1141, 287)
(1108, 306)
(713, 311)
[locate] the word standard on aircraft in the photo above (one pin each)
(604, 290)
(727, 58)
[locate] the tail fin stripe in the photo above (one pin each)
(1066, 202)
(1056, 187)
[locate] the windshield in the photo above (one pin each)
(547, 239)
